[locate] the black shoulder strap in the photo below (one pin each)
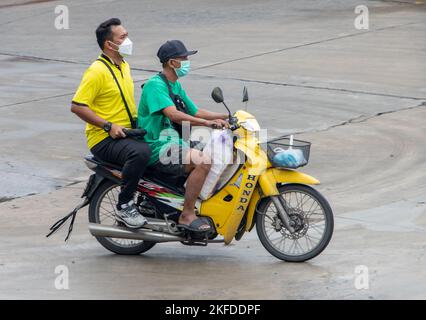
(171, 94)
(132, 121)
(180, 105)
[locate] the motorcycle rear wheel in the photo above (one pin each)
(312, 218)
(101, 210)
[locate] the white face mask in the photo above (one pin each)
(126, 48)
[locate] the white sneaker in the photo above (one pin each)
(130, 216)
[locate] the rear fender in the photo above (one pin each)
(101, 174)
(95, 180)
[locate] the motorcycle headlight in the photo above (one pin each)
(251, 125)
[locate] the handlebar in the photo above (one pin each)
(234, 127)
(137, 133)
(233, 124)
(233, 121)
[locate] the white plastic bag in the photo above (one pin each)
(220, 150)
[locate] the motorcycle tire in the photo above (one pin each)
(110, 243)
(262, 208)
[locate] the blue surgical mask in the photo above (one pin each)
(185, 66)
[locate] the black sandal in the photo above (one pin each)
(195, 225)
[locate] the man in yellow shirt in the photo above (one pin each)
(108, 107)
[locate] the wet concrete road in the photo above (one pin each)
(358, 96)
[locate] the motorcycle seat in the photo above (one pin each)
(172, 182)
(93, 159)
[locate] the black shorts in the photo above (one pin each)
(172, 161)
(177, 154)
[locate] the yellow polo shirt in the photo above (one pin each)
(99, 92)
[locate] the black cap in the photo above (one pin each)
(173, 49)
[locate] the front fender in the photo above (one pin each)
(269, 179)
(268, 182)
(291, 176)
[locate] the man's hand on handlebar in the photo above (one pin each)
(119, 132)
(217, 124)
(135, 133)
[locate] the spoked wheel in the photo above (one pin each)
(310, 216)
(101, 210)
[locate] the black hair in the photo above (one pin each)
(165, 62)
(103, 32)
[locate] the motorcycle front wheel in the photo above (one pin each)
(102, 208)
(311, 217)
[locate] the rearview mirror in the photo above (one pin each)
(217, 95)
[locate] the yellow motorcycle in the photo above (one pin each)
(294, 222)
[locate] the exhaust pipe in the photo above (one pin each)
(99, 230)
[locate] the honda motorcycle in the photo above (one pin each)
(294, 222)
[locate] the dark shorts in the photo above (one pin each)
(171, 161)
(176, 155)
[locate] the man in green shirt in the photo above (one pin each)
(164, 107)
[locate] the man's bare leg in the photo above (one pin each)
(199, 167)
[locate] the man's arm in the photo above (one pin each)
(209, 115)
(88, 115)
(177, 116)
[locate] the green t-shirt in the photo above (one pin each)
(155, 97)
